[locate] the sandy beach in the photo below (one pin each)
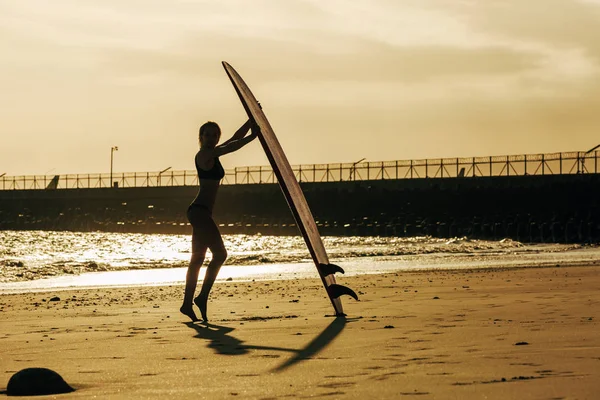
(495, 334)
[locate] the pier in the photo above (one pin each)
(530, 198)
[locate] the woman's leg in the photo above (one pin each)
(198, 217)
(191, 280)
(219, 255)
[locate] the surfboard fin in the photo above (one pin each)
(328, 269)
(336, 291)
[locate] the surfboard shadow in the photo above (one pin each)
(317, 344)
(223, 343)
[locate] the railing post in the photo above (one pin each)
(507, 167)
(426, 169)
(473, 165)
(441, 168)
(525, 164)
(560, 162)
(543, 165)
(491, 166)
(411, 169)
(396, 169)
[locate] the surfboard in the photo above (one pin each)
(292, 191)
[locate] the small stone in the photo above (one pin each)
(388, 327)
(521, 344)
(55, 298)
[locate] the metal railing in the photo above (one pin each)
(515, 165)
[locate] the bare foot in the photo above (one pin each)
(189, 311)
(201, 303)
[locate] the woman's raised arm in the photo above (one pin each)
(240, 133)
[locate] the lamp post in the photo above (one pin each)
(112, 150)
(158, 181)
(353, 170)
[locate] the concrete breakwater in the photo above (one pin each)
(557, 208)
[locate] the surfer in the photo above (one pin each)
(205, 233)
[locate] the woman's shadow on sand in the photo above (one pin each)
(224, 343)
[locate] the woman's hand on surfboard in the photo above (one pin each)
(254, 130)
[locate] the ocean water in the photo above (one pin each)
(38, 259)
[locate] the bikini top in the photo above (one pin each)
(215, 173)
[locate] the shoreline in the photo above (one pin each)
(502, 333)
(276, 272)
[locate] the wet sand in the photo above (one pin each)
(496, 334)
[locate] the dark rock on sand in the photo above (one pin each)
(36, 381)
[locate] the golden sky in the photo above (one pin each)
(339, 80)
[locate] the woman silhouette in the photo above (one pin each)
(206, 234)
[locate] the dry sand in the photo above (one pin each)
(495, 334)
